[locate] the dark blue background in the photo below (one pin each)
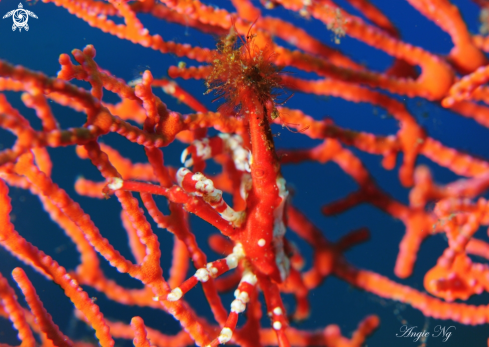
(56, 31)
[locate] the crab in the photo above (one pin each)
(257, 230)
(245, 77)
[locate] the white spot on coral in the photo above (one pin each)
(225, 335)
(212, 270)
(175, 294)
(249, 277)
(243, 296)
(115, 183)
(277, 310)
(237, 306)
(169, 88)
(261, 242)
(231, 261)
(238, 251)
(277, 325)
(202, 275)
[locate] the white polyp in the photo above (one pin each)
(156, 298)
(202, 275)
(169, 88)
(277, 325)
(243, 297)
(261, 242)
(277, 310)
(225, 335)
(231, 261)
(303, 12)
(238, 251)
(249, 277)
(115, 183)
(237, 306)
(175, 294)
(211, 269)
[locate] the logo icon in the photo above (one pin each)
(20, 17)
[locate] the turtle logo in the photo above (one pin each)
(20, 17)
